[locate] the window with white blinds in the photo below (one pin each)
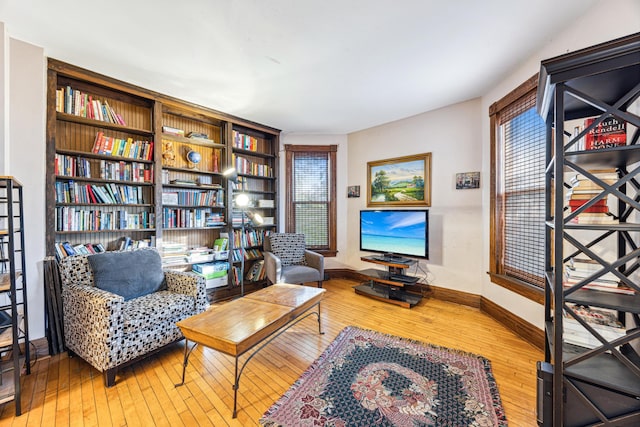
(311, 195)
(518, 191)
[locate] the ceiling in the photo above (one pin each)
(306, 66)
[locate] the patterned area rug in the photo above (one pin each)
(365, 378)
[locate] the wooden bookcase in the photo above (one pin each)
(172, 202)
(254, 155)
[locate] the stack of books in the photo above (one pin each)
(602, 320)
(214, 273)
(579, 269)
(583, 190)
(257, 272)
(174, 253)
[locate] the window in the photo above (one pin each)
(311, 194)
(518, 159)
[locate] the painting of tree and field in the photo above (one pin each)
(398, 182)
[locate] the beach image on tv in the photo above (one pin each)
(396, 232)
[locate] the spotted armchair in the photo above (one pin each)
(121, 306)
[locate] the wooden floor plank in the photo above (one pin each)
(63, 391)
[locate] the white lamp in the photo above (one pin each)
(242, 201)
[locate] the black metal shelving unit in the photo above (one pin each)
(598, 384)
(14, 325)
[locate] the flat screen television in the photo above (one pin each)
(400, 232)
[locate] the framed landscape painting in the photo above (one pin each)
(402, 181)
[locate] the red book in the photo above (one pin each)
(596, 209)
(611, 132)
(97, 144)
(579, 202)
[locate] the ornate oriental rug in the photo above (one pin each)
(366, 378)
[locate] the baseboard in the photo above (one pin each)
(519, 326)
(514, 323)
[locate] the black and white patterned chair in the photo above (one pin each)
(121, 306)
(287, 260)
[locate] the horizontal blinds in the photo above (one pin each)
(311, 197)
(523, 134)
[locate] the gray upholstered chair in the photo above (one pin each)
(288, 261)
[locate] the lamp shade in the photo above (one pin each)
(242, 200)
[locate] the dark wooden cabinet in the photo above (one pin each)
(590, 102)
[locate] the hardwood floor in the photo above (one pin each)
(63, 391)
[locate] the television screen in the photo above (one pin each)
(398, 232)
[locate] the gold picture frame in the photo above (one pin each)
(401, 181)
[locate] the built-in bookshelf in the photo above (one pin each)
(103, 182)
(130, 167)
(254, 156)
(194, 191)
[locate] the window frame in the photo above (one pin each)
(290, 226)
(496, 269)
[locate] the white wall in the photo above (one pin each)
(341, 186)
(4, 100)
(27, 99)
(607, 20)
(452, 136)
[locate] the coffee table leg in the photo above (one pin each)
(187, 353)
(319, 321)
(238, 373)
(236, 385)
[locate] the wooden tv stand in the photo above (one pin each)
(383, 286)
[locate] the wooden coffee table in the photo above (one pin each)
(240, 325)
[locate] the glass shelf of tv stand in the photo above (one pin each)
(381, 284)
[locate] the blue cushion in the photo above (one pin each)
(128, 274)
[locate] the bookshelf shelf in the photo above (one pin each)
(115, 230)
(591, 266)
(90, 155)
(103, 125)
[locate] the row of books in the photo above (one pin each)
(191, 218)
(129, 244)
(610, 132)
(109, 193)
(129, 148)
(583, 190)
(78, 103)
(249, 238)
(71, 218)
(65, 249)
(256, 272)
(244, 141)
(248, 167)
(126, 171)
(194, 197)
(249, 254)
(577, 270)
(71, 166)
